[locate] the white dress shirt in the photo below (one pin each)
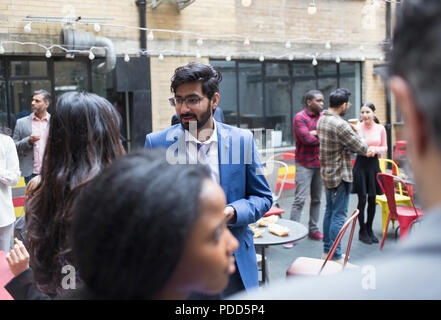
(207, 154)
(9, 176)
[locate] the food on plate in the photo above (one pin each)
(264, 222)
(278, 230)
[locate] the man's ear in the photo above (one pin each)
(215, 100)
(415, 123)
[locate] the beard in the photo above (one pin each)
(201, 121)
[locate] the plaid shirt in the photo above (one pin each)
(307, 145)
(335, 134)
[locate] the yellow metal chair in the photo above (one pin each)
(400, 198)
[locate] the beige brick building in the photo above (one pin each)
(264, 81)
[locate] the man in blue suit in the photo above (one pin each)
(230, 153)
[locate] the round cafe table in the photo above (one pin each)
(297, 231)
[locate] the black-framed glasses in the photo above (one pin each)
(190, 101)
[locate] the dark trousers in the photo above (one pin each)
(28, 178)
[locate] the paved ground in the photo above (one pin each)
(280, 258)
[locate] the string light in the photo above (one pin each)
(288, 44)
(337, 60)
(314, 62)
(198, 55)
(200, 42)
(91, 55)
(150, 36)
(126, 58)
(2, 50)
(328, 45)
(48, 53)
(228, 58)
(290, 57)
(28, 28)
(261, 58)
(246, 42)
(312, 9)
(96, 27)
(161, 57)
(246, 3)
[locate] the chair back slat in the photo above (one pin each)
(353, 220)
(273, 169)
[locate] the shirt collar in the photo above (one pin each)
(34, 117)
(312, 114)
(213, 138)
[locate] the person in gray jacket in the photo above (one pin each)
(412, 270)
(30, 135)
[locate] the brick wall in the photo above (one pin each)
(268, 23)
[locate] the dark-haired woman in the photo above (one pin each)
(83, 139)
(146, 205)
(9, 176)
(365, 171)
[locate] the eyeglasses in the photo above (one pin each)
(190, 101)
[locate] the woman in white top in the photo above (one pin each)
(9, 176)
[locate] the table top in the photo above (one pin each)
(297, 231)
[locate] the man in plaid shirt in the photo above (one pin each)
(337, 139)
(307, 162)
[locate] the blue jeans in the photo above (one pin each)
(337, 200)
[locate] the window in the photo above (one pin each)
(261, 96)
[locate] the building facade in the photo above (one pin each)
(270, 53)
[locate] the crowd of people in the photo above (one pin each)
(171, 221)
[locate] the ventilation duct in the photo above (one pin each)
(74, 39)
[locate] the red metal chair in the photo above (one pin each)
(405, 215)
(313, 266)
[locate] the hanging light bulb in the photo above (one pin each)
(91, 55)
(161, 57)
(290, 57)
(48, 53)
(363, 58)
(200, 42)
(96, 27)
(228, 58)
(198, 55)
(150, 36)
(2, 50)
(28, 28)
(337, 60)
(246, 3)
(314, 62)
(312, 9)
(361, 48)
(246, 43)
(261, 58)
(288, 44)
(328, 45)
(126, 58)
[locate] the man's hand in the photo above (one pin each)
(18, 258)
(354, 127)
(33, 139)
(313, 133)
(230, 213)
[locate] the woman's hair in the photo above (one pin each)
(31, 187)
(83, 139)
(371, 106)
(131, 223)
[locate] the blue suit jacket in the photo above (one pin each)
(241, 178)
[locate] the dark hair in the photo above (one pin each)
(371, 106)
(209, 76)
(416, 57)
(128, 240)
(83, 139)
(46, 95)
(311, 95)
(339, 97)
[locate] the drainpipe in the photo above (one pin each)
(142, 7)
(386, 87)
